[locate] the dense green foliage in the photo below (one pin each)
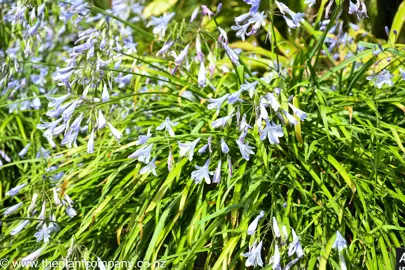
(342, 169)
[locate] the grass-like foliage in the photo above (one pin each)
(188, 136)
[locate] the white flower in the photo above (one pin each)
(167, 125)
(202, 173)
(42, 234)
(160, 24)
(188, 148)
(100, 264)
(170, 161)
(143, 154)
(241, 30)
(70, 211)
(254, 257)
(55, 196)
(194, 14)
(253, 226)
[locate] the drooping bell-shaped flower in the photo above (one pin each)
(188, 148)
(167, 125)
(160, 24)
(194, 14)
(253, 226)
(12, 209)
(142, 139)
(340, 242)
(202, 75)
(224, 146)
(24, 151)
(150, 168)
(115, 132)
(295, 246)
(275, 259)
(19, 227)
(12, 192)
(245, 149)
(217, 175)
(105, 96)
(170, 161)
(101, 122)
(291, 119)
(217, 103)
(31, 257)
(143, 154)
(301, 114)
(202, 173)
(249, 87)
(272, 132)
(254, 257)
(220, 122)
(90, 144)
(276, 229)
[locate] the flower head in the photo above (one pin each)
(254, 257)
(160, 24)
(202, 173)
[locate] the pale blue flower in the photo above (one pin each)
(56, 102)
(69, 111)
(224, 146)
(143, 154)
(301, 114)
(101, 122)
(12, 192)
(142, 139)
(272, 132)
(310, 2)
(231, 54)
(254, 5)
(194, 14)
(291, 264)
(31, 257)
(291, 119)
(56, 199)
(235, 97)
(19, 227)
(70, 211)
(90, 144)
(272, 100)
(105, 96)
(170, 161)
(220, 122)
(167, 125)
(4, 155)
(165, 48)
(115, 132)
(24, 151)
(241, 30)
(254, 257)
(276, 229)
(275, 259)
(201, 75)
(402, 73)
(253, 226)
(206, 11)
(203, 149)
(202, 173)
(188, 148)
(245, 149)
(243, 124)
(250, 87)
(151, 167)
(200, 55)
(217, 103)
(42, 234)
(160, 24)
(217, 175)
(340, 242)
(179, 58)
(12, 209)
(295, 246)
